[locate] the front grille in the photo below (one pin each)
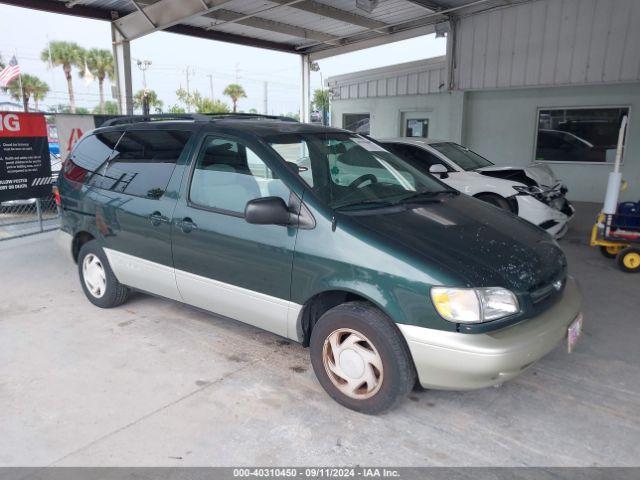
(548, 291)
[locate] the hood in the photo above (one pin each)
(475, 242)
(535, 174)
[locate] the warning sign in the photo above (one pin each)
(25, 168)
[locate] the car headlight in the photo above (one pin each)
(533, 190)
(474, 305)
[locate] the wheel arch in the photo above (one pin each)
(320, 303)
(79, 239)
(511, 200)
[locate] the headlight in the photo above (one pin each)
(474, 305)
(533, 190)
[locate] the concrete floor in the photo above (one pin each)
(155, 383)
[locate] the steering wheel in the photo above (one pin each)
(363, 178)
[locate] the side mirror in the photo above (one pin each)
(439, 169)
(267, 211)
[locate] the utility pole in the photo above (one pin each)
(211, 85)
(188, 72)
(237, 72)
(266, 98)
(144, 65)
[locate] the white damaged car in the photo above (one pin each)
(532, 192)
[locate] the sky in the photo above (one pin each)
(26, 32)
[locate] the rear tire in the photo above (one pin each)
(495, 200)
(99, 284)
(629, 260)
(361, 359)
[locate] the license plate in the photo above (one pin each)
(573, 332)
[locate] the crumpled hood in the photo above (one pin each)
(476, 242)
(538, 172)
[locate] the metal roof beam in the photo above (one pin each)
(162, 15)
(399, 30)
(228, 16)
(335, 13)
(434, 6)
(353, 46)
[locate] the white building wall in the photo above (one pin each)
(444, 110)
(501, 125)
(549, 42)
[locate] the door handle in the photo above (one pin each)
(156, 218)
(187, 225)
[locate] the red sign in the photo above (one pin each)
(25, 167)
(19, 124)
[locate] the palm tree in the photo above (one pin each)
(235, 92)
(100, 64)
(31, 87)
(66, 55)
(152, 96)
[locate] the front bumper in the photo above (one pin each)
(463, 361)
(555, 222)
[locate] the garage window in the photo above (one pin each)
(357, 122)
(417, 127)
(578, 134)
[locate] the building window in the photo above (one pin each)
(578, 135)
(357, 122)
(417, 127)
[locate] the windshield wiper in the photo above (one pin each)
(365, 203)
(429, 196)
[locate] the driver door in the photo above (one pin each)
(224, 264)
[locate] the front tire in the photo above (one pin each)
(495, 200)
(361, 359)
(99, 284)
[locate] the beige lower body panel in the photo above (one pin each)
(64, 241)
(462, 361)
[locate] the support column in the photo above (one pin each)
(305, 114)
(122, 64)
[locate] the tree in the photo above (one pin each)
(61, 108)
(201, 104)
(235, 92)
(65, 55)
(154, 101)
(32, 87)
(109, 108)
(253, 111)
(321, 99)
(176, 109)
(100, 64)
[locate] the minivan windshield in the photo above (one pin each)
(463, 157)
(348, 171)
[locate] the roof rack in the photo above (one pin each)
(196, 117)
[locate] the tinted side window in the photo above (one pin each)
(142, 162)
(228, 174)
(90, 155)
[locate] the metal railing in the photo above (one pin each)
(19, 218)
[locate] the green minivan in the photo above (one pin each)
(322, 236)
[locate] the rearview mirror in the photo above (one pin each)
(267, 211)
(439, 169)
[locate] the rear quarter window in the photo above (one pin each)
(90, 155)
(142, 162)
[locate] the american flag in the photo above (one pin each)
(10, 72)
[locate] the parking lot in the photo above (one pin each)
(157, 383)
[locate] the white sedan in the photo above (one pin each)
(532, 192)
